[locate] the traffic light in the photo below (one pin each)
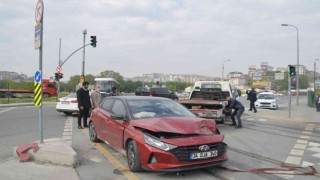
(292, 71)
(56, 76)
(60, 75)
(93, 41)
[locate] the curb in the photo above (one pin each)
(24, 104)
(54, 151)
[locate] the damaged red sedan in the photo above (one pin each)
(157, 134)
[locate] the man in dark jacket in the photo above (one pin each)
(84, 104)
(318, 103)
(252, 96)
(238, 110)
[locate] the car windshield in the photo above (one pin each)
(142, 109)
(265, 96)
(73, 95)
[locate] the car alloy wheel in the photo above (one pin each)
(92, 133)
(133, 157)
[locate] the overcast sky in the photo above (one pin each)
(159, 36)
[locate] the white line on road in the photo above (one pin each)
(7, 109)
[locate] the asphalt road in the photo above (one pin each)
(262, 143)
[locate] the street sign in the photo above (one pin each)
(59, 68)
(39, 12)
(317, 81)
(37, 36)
(37, 77)
(279, 76)
(81, 79)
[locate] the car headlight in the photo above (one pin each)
(158, 144)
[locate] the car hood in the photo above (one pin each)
(177, 125)
(266, 100)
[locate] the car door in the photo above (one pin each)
(103, 117)
(115, 128)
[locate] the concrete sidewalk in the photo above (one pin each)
(55, 159)
(302, 113)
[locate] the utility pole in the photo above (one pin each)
(84, 51)
(59, 64)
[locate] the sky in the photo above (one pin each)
(136, 37)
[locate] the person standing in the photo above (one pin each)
(252, 97)
(238, 111)
(95, 96)
(318, 102)
(84, 104)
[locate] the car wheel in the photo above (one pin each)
(67, 113)
(92, 133)
(133, 157)
(46, 95)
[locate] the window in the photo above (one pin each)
(118, 108)
(107, 104)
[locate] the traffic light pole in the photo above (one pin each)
(289, 92)
(59, 63)
(84, 51)
(73, 54)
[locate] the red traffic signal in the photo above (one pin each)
(60, 75)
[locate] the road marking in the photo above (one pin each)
(297, 152)
(315, 149)
(314, 144)
(67, 133)
(293, 160)
(306, 164)
(304, 137)
(7, 110)
(302, 141)
(306, 132)
(262, 120)
(113, 160)
(300, 146)
(316, 155)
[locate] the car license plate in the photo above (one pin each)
(65, 102)
(203, 155)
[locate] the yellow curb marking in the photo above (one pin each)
(114, 161)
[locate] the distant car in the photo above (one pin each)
(157, 92)
(157, 134)
(266, 100)
(68, 104)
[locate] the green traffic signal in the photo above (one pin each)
(56, 76)
(292, 71)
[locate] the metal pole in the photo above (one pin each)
(289, 93)
(298, 74)
(59, 64)
(40, 69)
(84, 51)
(222, 71)
(314, 77)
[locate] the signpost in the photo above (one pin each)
(37, 78)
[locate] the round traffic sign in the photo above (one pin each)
(39, 11)
(59, 68)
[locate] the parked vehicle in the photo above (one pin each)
(68, 104)
(157, 134)
(266, 100)
(157, 92)
(208, 99)
(48, 89)
(106, 85)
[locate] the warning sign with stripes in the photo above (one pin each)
(37, 94)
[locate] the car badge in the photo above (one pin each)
(204, 148)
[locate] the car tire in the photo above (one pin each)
(68, 113)
(46, 95)
(133, 157)
(92, 133)
(223, 118)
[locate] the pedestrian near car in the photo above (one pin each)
(318, 102)
(252, 97)
(84, 104)
(95, 96)
(238, 111)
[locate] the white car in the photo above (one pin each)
(266, 100)
(68, 104)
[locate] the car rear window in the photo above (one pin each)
(160, 90)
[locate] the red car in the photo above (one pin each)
(157, 134)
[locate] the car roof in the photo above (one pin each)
(138, 98)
